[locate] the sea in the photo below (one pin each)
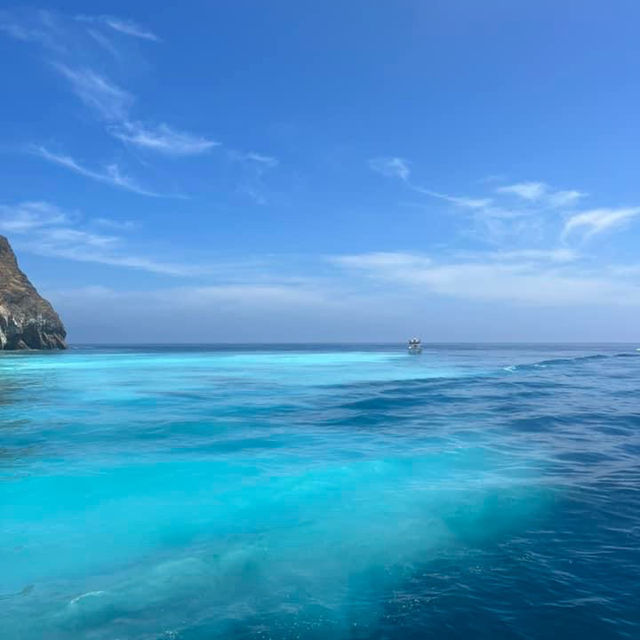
(207, 492)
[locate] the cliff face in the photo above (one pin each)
(27, 321)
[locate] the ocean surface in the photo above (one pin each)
(192, 493)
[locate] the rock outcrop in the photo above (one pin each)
(27, 320)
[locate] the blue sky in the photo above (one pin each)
(295, 171)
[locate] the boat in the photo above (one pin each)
(415, 346)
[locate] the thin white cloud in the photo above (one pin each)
(119, 225)
(97, 92)
(538, 255)
(567, 198)
(45, 229)
(461, 201)
(130, 28)
(254, 193)
(111, 174)
(121, 25)
(255, 166)
(19, 32)
(490, 279)
(526, 190)
(235, 296)
(27, 216)
(61, 240)
(504, 220)
(35, 27)
(105, 43)
(258, 161)
(599, 220)
(384, 261)
(253, 295)
(396, 167)
(82, 248)
(391, 167)
(163, 139)
(77, 53)
(267, 161)
(541, 193)
(113, 104)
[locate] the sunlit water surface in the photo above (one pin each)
(193, 493)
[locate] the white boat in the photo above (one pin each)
(415, 346)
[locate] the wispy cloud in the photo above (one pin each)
(121, 25)
(494, 278)
(540, 192)
(461, 201)
(113, 104)
(560, 255)
(597, 221)
(81, 247)
(111, 174)
(268, 162)
(530, 210)
(388, 262)
(37, 27)
(110, 101)
(47, 230)
(105, 43)
(391, 167)
(27, 216)
(255, 166)
(87, 52)
(525, 190)
(75, 49)
(560, 199)
(119, 225)
(396, 167)
(162, 138)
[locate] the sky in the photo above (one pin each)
(291, 171)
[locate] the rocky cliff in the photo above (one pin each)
(27, 321)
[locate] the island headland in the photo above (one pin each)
(27, 320)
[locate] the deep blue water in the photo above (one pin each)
(193, 493)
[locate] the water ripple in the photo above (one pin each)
(207, 492)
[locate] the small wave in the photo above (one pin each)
(89, 594)
(555, 362)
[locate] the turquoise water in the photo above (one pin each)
(304, 492)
